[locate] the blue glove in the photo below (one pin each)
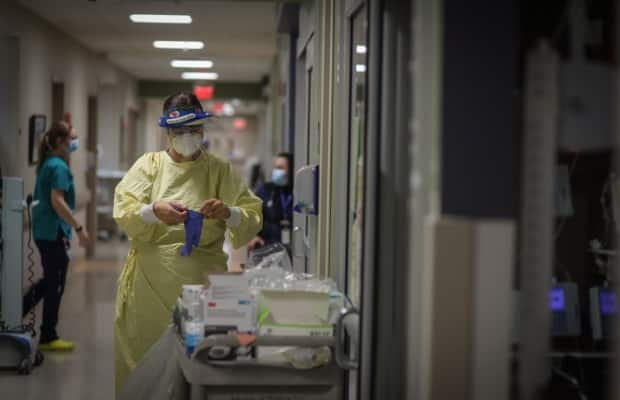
(193, 230)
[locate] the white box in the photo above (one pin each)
(230, 313)
(228, 287)
(227, 303)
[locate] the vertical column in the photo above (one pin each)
(614, 384)
(471, 245)
(536, 245)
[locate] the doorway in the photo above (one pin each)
(58, 101)
(91, 174)
(9, 129)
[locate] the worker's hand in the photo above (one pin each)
(256, 243)
(83, 238)
(170, 212)
(215, 209)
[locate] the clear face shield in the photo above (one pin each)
(185, 130)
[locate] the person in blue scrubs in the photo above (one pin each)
(277, 196)
(52, 225)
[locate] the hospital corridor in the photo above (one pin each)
(87, 312)
(309, 199)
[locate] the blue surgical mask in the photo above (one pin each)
(278, 177)
(74, 144)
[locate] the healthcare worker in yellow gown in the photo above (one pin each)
(150, 205)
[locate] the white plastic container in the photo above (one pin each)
(194, 334)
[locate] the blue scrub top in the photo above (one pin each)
(277, 206)
(46, 223)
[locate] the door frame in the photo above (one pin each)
(389, 138)
(306, 117)
(301, 154)
(387, 168)
(340, 198)
(369, 224)
(340, 257)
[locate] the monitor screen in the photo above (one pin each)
(556, 299)
(607, 301)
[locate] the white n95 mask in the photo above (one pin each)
(187, 144)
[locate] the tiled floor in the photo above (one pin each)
(87, 318)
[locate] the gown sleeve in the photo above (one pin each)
(235, 193)
(131, 194)
(264, 194)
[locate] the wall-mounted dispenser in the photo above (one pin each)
(307, 190)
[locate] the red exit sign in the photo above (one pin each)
(204, 92)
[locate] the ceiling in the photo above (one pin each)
(239, 36)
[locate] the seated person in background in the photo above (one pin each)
(277, 197)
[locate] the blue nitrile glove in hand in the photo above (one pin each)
(193, 230)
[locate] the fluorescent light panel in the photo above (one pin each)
(160, 19)
(191, 63)
(360, 49)
(208, 76)
(360, 68)
(173, 44)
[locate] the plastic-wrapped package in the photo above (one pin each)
(269, 267)
(274, 254)
(298, 357)
(306, 282)
(307, 358)
(274, 277)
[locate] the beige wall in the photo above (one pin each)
(45, 55)
(154, 137)
(115, 98)
(236, 146)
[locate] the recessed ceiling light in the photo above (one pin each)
(360, 68)
(172, 44)
(160, 19)
(360, 49)
(208, 76)
(191, 63)
(228, 110)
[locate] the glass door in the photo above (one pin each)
(355, 76)
(357, 135)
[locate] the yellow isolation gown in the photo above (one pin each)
(154, 271)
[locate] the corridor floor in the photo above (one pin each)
(86, 318)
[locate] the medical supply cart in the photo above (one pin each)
(250, 380)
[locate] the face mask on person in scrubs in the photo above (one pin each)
(278, 177)
(74, 144)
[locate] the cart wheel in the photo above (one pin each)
(38, 358)
(25, 368)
